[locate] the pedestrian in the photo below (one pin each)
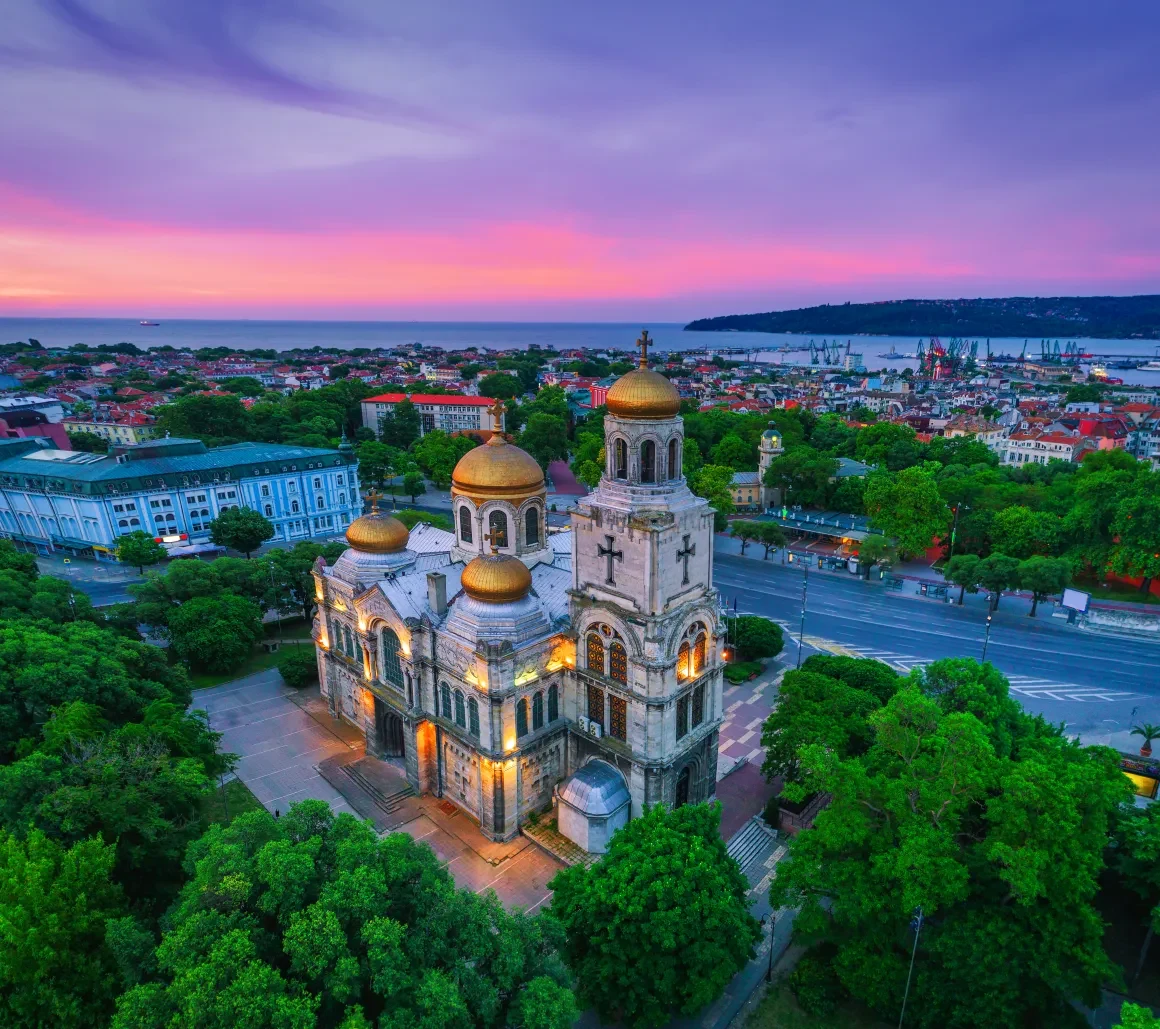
(277, 813)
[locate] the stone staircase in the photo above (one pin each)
(557, 844)
(388, 803)
(750, 840)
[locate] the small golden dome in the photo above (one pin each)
(643, 393)
(496, 578)
(497, 467)
(377, 533)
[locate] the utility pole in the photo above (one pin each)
(916, 925)
(802, 630)
(772, 934)
(987, 637)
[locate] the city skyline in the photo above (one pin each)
(506, 161)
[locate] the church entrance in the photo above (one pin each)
(682, 788)
(390, 731)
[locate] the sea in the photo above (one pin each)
(767, 348)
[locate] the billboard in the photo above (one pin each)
(1077, 600)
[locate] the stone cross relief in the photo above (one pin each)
(611, 554)
(683, 555)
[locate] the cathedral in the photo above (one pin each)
(513, 670)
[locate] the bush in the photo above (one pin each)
(299, 667)
(815, 983)
(771, 812)
(410, 518)
(754, 637)
(739, 671)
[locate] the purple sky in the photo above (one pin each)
(598, 160)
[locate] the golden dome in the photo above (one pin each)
(643, 393)
(497, 467)
(496, 578)
(377, 533)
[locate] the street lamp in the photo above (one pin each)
(916, 925)
(987, 637)
(772, 935)
(802, 630)
(955, 526)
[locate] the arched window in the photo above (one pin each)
(349, 641)
(460, 713)
(319, 502)
(553, 703)
(445, 697)
(674, 468)
(699, 654)
(532, 527)
(269, 511)
(595, 653)
(392, 670)
(618, 662)
(521, 718)
(621, 452)
(342, 497)
(473, 717)
(293, 506)
(648, 461)
(498, 527)
(123, 524)
(538, 711)
(683, 661)
(465, 524)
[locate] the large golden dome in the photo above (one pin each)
(496, 578)
(643, 393)
(497, 468)
(377, 533)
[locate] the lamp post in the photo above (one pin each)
(772, 934)
(987, 636)
(955, 526)
(802, 630)
(916, 925)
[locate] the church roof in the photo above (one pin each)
(561, 542)
(596, 788)
(426, 539)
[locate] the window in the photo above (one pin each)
(521, 718)
(683, 661)
(317, 482)
(342, 498)
(532, 527)
(596, 705)
(498, 527)
(265, 490)
(698, 705)
(674, 468)
(648, 461)
(269, 511)
(618, 718)
(340, 480)
(465, 524)
(473, 717)
(123, 524)
(618, 660)
(699, 654)
(460, 712)
(410, 691)
(595, 653)
(445, 696)
(293, 506)
(682, 717)
(553, 703)
(621, 452)
(349, 641)
(538, 711)
(291, 487)
(392, 670)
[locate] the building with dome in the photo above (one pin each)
(510, 670)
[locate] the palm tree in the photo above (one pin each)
(1149, 732)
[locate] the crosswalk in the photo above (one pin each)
(1025, 685)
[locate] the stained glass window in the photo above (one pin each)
(465, 524)
(595, 653)
(618, 660)
(683, 661)
(618, 718)
(698, 705)
(532, 527)
(699, 654)
(596, 705)
(498, 527)
(682, 717)
(392, 670)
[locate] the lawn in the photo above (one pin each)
(288, 629)
(238, 799)
(1116, 591)
(259, 661)
(779, 1010)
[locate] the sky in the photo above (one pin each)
(593, 161)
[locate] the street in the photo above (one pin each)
(1097, 685)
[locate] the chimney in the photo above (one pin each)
(437, 592)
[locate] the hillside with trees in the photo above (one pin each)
(1028, 317)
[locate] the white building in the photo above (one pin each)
(172, 488)
(436, 411)
(1041, 447)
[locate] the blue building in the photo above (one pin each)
(79, 503)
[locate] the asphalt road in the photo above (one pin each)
(1097, 685)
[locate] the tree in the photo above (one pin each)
(875, 549)
(215, 633)
(241, 528)
(754, 637)
(1136, 529)
(378, 463)
(291, 573)
(1043, 576)
(589, 473)
(501, 385)
(803, 475)
(963, 571)
(1134, 1016)
(299, 667)
(400, 428)
(907, 506)
(437, 454)
(1020, 532)
(746, 532)
(996, 574)
(1135, 856)
(413, 485)
(55, 969)
(88, 442)
(1001, 848)
(734, 452)
(139, 548)
(636, 920)
(311, 919)
(772, 537)
(545, 437)
(714, 483)
(214, 420)
(244, 385)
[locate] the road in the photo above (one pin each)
(1097, 685)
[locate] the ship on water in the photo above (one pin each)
(148, 323)
(894, 355)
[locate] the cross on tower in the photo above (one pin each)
(683, 555)
(496, 411)
(612, 555)
(493, 540)
(644, 343)
(374, 499)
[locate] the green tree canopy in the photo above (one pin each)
(1020, 532)
(963, 571)
(714, 483)
(637, 921)
(501, 385)
(754, 637)
(1043, 576)
(138, 548)
(804, 476)
(215, 634)
(545, 437)
(437, 454)
(213, 420)
(908, 507)
(241, 528)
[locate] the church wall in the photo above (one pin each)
(541, 767)
(461, 774)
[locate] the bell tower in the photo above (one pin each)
(642, 593)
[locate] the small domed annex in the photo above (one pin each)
(496, 578)
(377, 532)
(642, 393)
(497, 469)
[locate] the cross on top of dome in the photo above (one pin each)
(497, 411)
(643, 344)
(374, 499)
